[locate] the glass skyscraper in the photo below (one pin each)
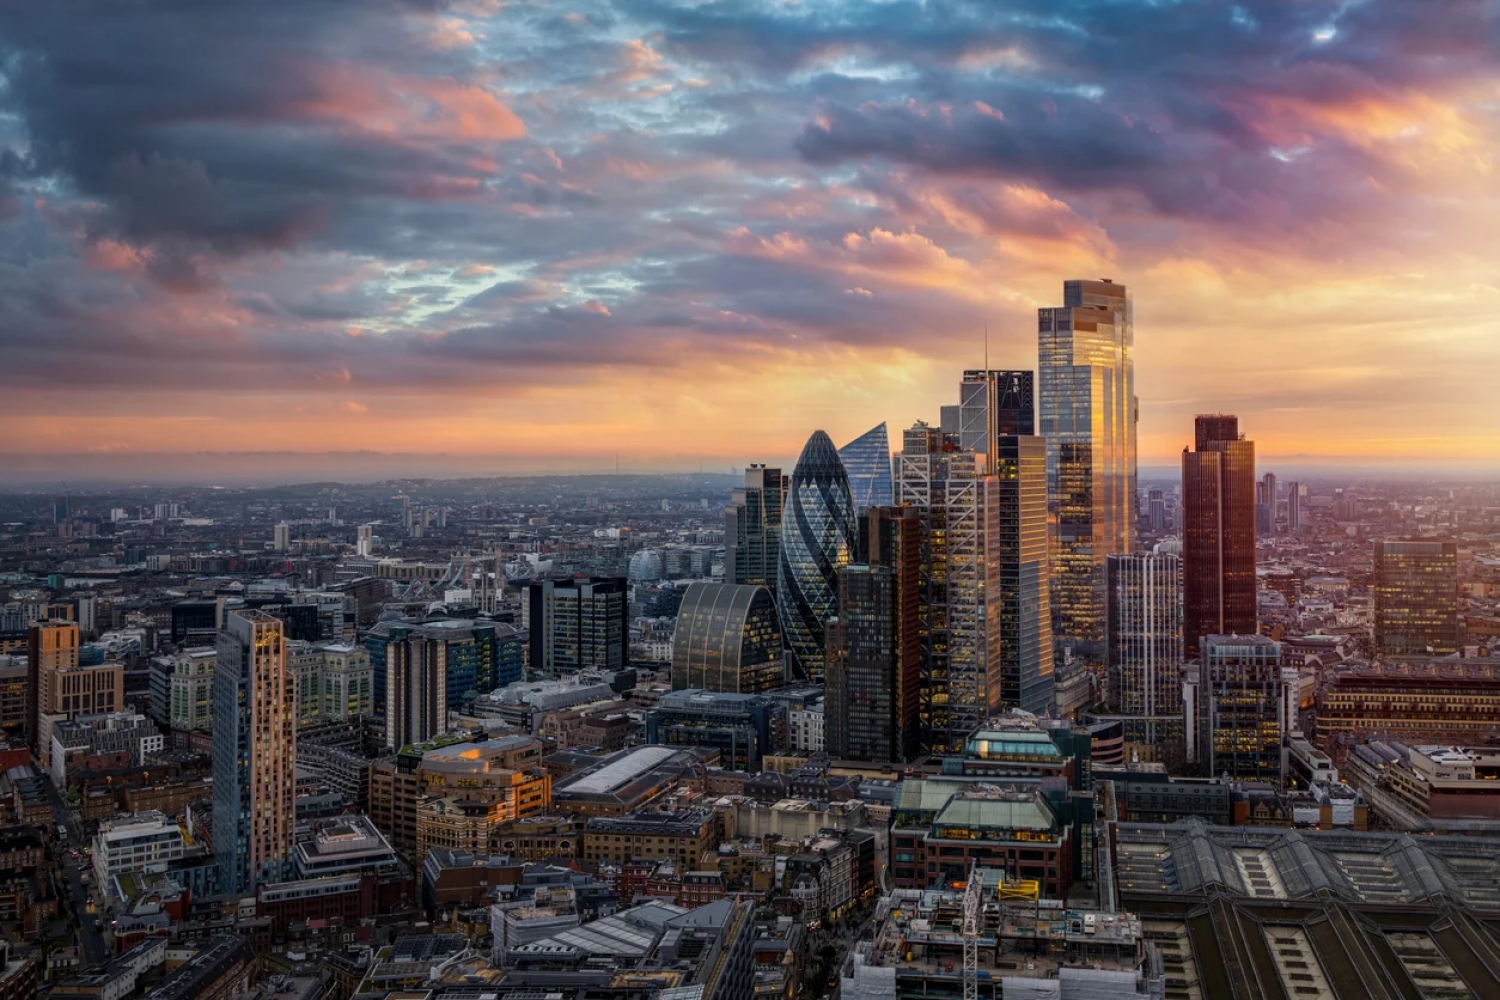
(994, 403)
(875, 646)
(1026, 654)
(1218, 532)
(818, 535)
(867, 462)
(1238, 725)
(959, 582)
(728, 638)
(752, 528)
(1086, 384)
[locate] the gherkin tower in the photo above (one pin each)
(818, 533)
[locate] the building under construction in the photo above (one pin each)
(996, 939)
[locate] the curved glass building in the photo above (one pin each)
(867, 461)
(818, 535)
(728, 639)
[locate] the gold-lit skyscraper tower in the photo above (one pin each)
(1088, 411)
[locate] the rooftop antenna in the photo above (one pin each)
(986, 346)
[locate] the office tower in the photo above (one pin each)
(1237, 728)
(1294, 493)
(752, 528)
(1156, 511)
(283, 538)
(59, 510)
(818, 535)
(478, 656)
(365, 540)
(416, 688)
(579, 624)
(728, 638)
(1144, 651)
(1218, 532)
(254, 752)
(875, 646)
(1416, 598)
(867, 462)
(994, 403)
(1086, 384)
(1026, 648)
(1265, 505)
(958, 503)
(51, 648)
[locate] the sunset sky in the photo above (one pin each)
(684, 232)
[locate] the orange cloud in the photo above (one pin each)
(411, 108)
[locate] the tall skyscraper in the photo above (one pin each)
(875, 647)
(1026, 653)
(1294, 493)
(867, 462)
(1265, 505)
(818, 536)
(1416, 598)
(752, 528)
(1156, 511)
(416, 688)
(958, 502)
(1218, 532)
(1144, 651)
(1086, 384)
(1238, 728)
(728, 638)
(579, 624)
(254, 753)
(993, 404)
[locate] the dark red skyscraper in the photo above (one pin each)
(1218, 532)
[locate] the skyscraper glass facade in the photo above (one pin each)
(818, 536)
(752, 528)
(875, 649)
(1239, 707)
(1088, 414)
(1416, 598)
(867, 462)
(728, 638)
(994, 403)
(1026, 654)
(959, 506)
(1218, 532)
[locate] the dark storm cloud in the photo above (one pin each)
(219, 126)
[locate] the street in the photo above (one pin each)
(94, 951)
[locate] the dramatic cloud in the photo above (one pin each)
(577, 228)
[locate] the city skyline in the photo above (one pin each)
(760, 220)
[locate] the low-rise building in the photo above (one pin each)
(344, 845)
(682, 835)
(626, 781)
(145, 842)
(1428, 788)
(1027, 946)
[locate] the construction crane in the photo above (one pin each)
(973, 892)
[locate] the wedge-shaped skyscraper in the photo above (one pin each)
(867, 461)
(818, 536)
